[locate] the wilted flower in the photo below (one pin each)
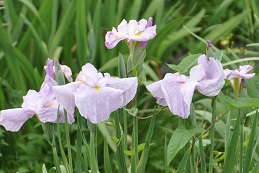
(139, 31)
(237, 77)
(96, 95)
(241, 73)
(176, 90)
(43, 103)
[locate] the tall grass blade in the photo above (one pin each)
(144, 157)
(230, 159)
(250, 145)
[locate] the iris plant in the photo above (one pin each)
(176, 90)
(43, 103)
(96, 95)
(138, 31)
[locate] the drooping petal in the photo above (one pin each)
(213, 81)
(62, 118)
(13, 119)
(30, 101)
(65, 95)
(48, 111)
(197, 73)
(127, 85)
(178, 91)
(67, 72)
(96, 104)
(112, 39)
(156, 90)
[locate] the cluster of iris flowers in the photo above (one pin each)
(97, 95)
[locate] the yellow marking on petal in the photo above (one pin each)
(50, 104)
(80, 80)
(139, 34)
(97, 88)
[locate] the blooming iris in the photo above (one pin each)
(42, 103)
(139, 31)
(176, 90)
(241, 73)
(96, 95)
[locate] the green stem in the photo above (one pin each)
(134, 162)
(93, 160)
(241, 122)
(79, 144)
(125, 129)
(144, 156)
(55, 154)
(212, 131)
(70, 160)
(120, 153)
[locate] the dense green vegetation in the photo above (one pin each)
(73, 31)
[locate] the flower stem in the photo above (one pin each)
(134, 162)
(241, 122)
(70, 160)
(120, 152)
(55, 154)
(212, 131)
(93, 160)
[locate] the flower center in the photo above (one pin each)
(138, 35)
(97, 88)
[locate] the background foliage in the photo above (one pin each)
(73, 31)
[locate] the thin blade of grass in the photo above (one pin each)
(230, 159)
(250, 146)
(144, 157)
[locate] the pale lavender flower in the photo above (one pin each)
(50, 70)
(43, 103)
(241, 73)
(176, 90)
(139, 31)
(96, 95)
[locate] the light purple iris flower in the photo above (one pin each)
(241, 73)
(43, 103)
(139, 31)
(96, 95)
(176, 90)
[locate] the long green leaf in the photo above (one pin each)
(82, 51)
(250, 146)
(230, 159)
(144, 157)
(107, 163)
(179, 139)
(183, 162)
(62, 29)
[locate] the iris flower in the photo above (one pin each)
(96, 95)
(241, 73)
(43, 103)
(139, 31)
(176, 90)
(237, 77)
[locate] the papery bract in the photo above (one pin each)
(140, 31)
(176, 90)
(96, 95)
